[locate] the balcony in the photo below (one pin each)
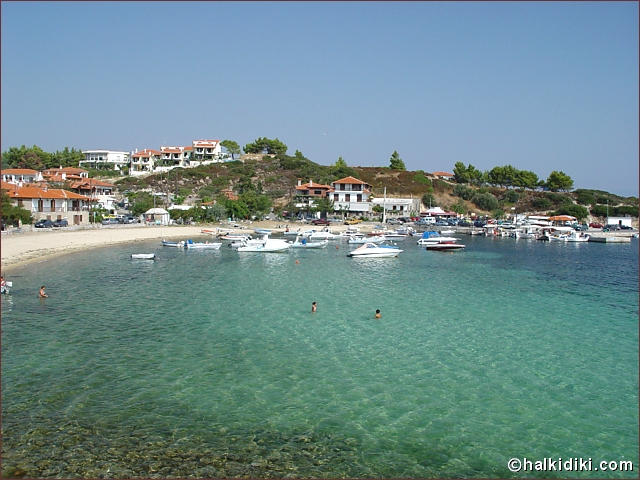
(352, 206)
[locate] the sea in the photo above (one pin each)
(211, 363)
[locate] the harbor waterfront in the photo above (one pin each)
(209, 363)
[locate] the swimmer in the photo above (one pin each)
(314, 307)
(378, 314)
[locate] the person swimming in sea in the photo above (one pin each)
(378, 314)
(314, 307)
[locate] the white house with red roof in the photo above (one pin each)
(50, 203)
(308, 193)
(21, 175)
(101, 193)
(444, 175)
(173, 157)
(144, 162)
(350, 195)
(206, 151)
(63, 174)
(106, 158)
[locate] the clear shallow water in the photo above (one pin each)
(211, 364)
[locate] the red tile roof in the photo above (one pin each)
(350, 180)
(307, 186)
(67, 170)
(19, 171)
(35, 192)
(442, 174)
(147, 152)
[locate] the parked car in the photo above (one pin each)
(394, 221)
(321, 221)
(464, 223)
(404, 219)
(581, 228)
(129, 219)
(110, 221)
(595, 225)
(611, 228)
(352, 221)
(44, 223)
(61, 222)
(441, 223)
(479, 224)
(626, 227)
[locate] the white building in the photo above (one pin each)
(18, 176)
(620, 221)
(205, 151)
(351, 196)
(100, 158)
(144, 161)
(173, 157)
(398, 206)
(51, 203)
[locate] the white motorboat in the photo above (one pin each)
(361, 239)
(578, 237)
(143, 256)
(323, 236)
(265, 245)
(190, 244)
(375, 251)
(433, 237)
(302, 242)
(262, 231)
(235, 237)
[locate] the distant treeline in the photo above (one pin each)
(37, 159)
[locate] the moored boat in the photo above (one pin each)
(443, 246)
(375, 251)
(166, 243)
(143, 256)
(265, 245)
(302, 242)
(190, 244)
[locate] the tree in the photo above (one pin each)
(324, 205)
(266, 145)
(428, 199)
(340, 163)
(460, 174)
(10, 213)
(395, 162)
(232, 147)
(559, 181)
(572, 209)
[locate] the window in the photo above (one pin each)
(342, 186)
(335, 197)
(317, 192)
(359, 197)
(347, 198)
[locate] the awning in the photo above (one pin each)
(562, 218)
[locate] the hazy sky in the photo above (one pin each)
(542, 85)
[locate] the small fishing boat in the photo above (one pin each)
(304, 243)
(262, 231)
(143, 256)
(265, 245)
(166, 243)
(375, 251)
(361, 239)
(190, 244)
(578, 237)
(433, 237)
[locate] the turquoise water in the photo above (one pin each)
(211, 364)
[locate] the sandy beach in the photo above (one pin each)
(35, 246)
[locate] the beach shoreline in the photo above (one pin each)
(22, 248)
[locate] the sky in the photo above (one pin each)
(541, 86)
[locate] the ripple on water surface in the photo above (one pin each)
(211, 363)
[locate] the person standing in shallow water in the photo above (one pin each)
(42, 293)
(378, 314)
(314, 307)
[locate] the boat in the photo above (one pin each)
(324, 235)
(374, 251)
(262, 231)
(235, 237)
(443, 246)
(143, 256)
(166, 243)
(361, 239)
(265, 245)
(433, 237)
(304, 243)
(208, 231)
(447, 232)
(578, 237)
(190, 244)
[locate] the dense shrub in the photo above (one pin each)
(574, 210)
(463, 192)
(485, 201)
(511, 196)
(541, 203)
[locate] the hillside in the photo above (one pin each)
(276, 176)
